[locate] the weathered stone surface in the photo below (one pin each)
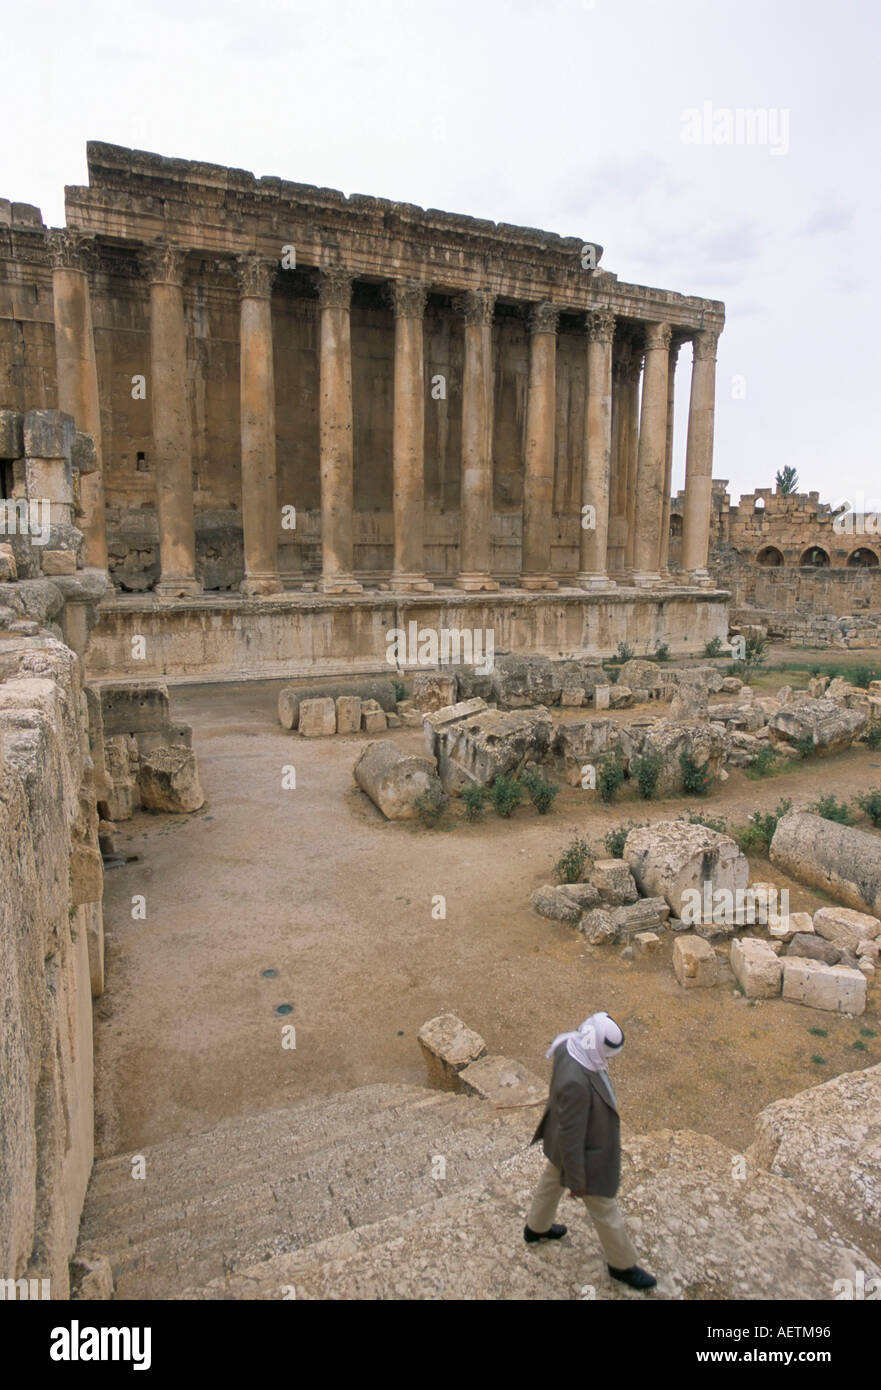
(395, 781)
(644, 678)
(491, 744)
(520, 682)
(646, 914)
(826, 1141)
(318, 718)
(438, 720)
(689, 703)
(585, 894)
(602, 697)
(598, 925)
(348, 714)
(844, 927)
(614, 881)
(91, 1280)
(289, 699)
(86, 875)
(572, 697)
(502, 1081)
(168, 780)
(621, 696)
(448, 1047)
(550, 901)
(374, 719)
(756, 967)
(121, 761)
(58, 562)
(826, 723)
(646, 942)
(672, 858)
(842, 861)
(584, 742)
(694, 962)
(813, 947)
(702, 742)
(731, 685)
(793, 924)
(836, 988)
(433, 690)
(132, 707)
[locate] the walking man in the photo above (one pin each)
(580, 1130)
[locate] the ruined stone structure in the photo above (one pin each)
(293, 390)
(789, 557)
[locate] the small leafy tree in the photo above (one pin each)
(615, 839)
(506, 794)
(625, 651)
(474, 798)
(541, 791)
(871, 805)
(571, 864)
(713, 647)
(787, 481)
(696, 779)
(830, 808)
(610, 774)
(646, 768)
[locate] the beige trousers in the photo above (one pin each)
(603, 1211)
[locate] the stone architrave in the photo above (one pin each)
(336, 433)
(596, 479)
(408, 438)
(260, 514)
(475, 508)
(72, 256)
(699, 459)
(172, 440)
(538, 480)
(650, 469)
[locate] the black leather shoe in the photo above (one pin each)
(553, 1233)
(634, 1276)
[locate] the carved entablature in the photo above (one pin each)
(71, 250)
(705, 344)
(164, 263)
(408, 298)
(477, 307)
(255, 276)
(600, 325)
(335, 288)
(657, 337)
(543, 318)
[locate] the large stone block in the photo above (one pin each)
(757, 968)
(523, 681)
(503, 1082)
(694, 962)
(614, 882)
(826, 723)
(704, 743)
(491, 744)
(290, 698)
(348, 714)
(48, 434)
(835, 988)
(11, 434)
(673, 858)
(132, 707)
(840, 860)
(432, 691)
(396, 781)
(845, 928)
(317, 718)
(168, 780)
(448, 1048)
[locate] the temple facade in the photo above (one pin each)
(294, 392)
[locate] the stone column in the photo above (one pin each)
(596, 476)
(651, 455)
(699, 459)
(172, 444)
(475, 508)
(664, 538)
(260, 514)
(631, 448)
(408, 438)
(77, 374)
(538, 476)
(336, 433)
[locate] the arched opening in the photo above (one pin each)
(862, 558)
(759, 504)
(815, 556)
(770, 557)
(675, 526)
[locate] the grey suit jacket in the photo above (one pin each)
(580, 1129)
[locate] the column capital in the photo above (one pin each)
(657, 336)
(335, 287)
(543, 317)
(477, 307)
(407, 298)
(600, 325)
(71, 250)
(705, 343)
(255, 276)
(164, 263)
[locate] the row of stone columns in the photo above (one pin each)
(626, 474)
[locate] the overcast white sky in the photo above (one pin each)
(561, 114)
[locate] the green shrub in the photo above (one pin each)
(475, 801)
(506, 794)
(861, 676)
(820, 1061)
(703, 818)
(804, 746)
(430, 806)
(763, 762)
(572, 862)
(873, 738)
(696, 779)
(831, 809)
(541, 791)
(400, 690)
(614, 841)
(625, 651)
(610, 774)
(871, 804)
(713, 647)
(758, 833)
(646, 768)
(661, 652)
(613, 673)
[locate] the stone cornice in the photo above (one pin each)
(255, 276)
(335, 288)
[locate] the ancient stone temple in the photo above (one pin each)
(318, 417)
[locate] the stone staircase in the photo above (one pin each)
(340, 1198)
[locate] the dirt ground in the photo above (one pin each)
(313, 884)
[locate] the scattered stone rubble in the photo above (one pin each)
(399, 783)
(148, 760)
(456, 1059)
